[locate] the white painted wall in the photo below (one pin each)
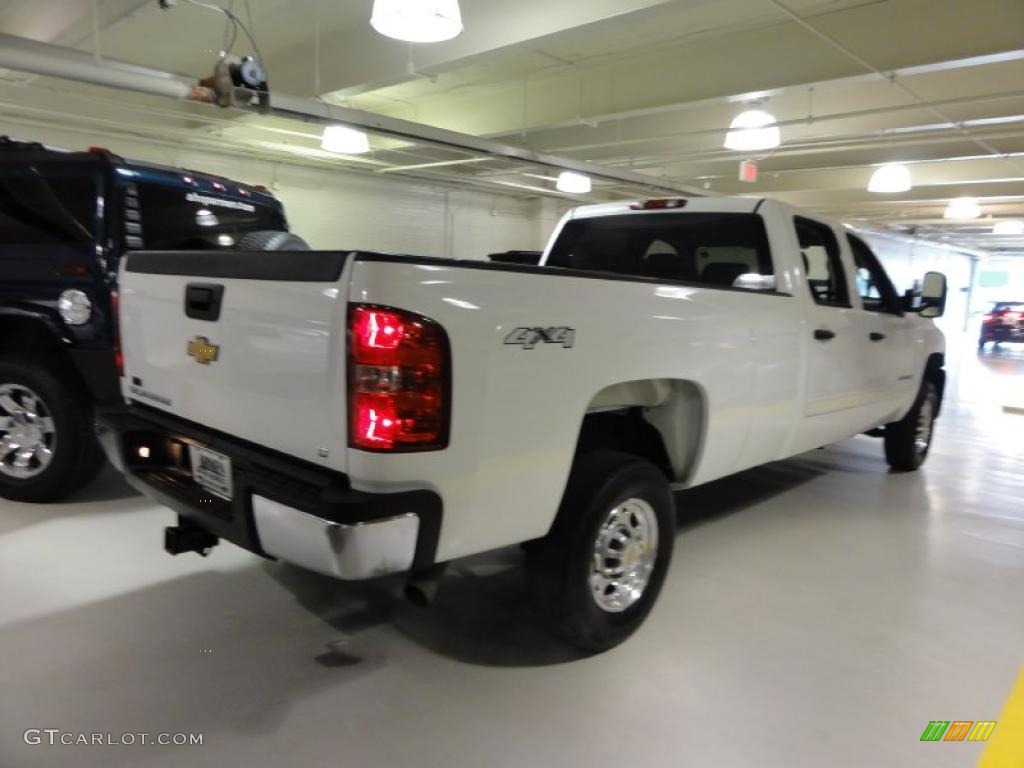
(340, 210)
(1013, 270)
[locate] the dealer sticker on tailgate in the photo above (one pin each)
(211, 470)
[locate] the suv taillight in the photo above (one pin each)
(398, 380)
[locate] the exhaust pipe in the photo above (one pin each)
(421, 589)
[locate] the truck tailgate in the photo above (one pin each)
(250, 344)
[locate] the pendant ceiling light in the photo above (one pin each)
(753, 130)
(890, 178)
(417, 21)
(962, 208)
(1008, 228)
(573, 183)
(344, 140)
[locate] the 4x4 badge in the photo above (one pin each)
(528, 338)
(202, 350)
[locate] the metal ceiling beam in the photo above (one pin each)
(361, 60)
(396, 128)
(897, 82)
(721, 65)
(54, 61)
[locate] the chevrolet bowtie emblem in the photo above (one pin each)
(202, 350)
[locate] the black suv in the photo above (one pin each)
(65, 220)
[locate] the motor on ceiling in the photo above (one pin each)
(236, 80)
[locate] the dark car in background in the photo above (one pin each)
(1004, 322)
(66, 218)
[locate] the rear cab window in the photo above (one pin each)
(705, 248)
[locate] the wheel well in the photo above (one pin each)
(936, 373)
(32, 339)
(625, 431)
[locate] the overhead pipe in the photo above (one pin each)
(38, 58)
(55, 61)
(303, 108)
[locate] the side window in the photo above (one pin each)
(823, 267)
(876, 291)
(39, 208)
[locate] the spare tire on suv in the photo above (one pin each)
(271, 240)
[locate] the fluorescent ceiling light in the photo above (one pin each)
(890, 178)
(573, 183)
(753, 130)
(344, 140)
(962, 208)
(1008, 228)
(417, 21)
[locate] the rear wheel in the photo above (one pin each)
(47, 445)
(908, 440)
(596, 575)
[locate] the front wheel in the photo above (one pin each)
(908, 440)
(596, 575)
(47, 446)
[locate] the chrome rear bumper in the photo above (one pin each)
(355, 551)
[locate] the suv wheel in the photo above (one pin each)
(596, 575)
(47, 445)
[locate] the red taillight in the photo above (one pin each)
(398, 372)
(989, 317)
(115, 331)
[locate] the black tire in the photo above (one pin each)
(902, 450)
(77, 456)
(981, 344)
(559, 566)
(271, 240)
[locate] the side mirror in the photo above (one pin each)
(933, 295)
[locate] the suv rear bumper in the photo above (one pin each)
(282, 507)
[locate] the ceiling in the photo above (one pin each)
(642, 85)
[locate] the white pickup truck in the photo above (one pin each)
(360, 414)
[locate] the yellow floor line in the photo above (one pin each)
(1014, 409)
(1006, 748)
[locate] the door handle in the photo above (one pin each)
(875, 336)
(824, 334)
(203, 300)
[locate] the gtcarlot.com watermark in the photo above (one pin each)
(57, 737)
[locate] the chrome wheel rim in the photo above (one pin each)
(625, 551)
(925, 419)
(27, 434)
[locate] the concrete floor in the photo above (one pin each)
(819, 611)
